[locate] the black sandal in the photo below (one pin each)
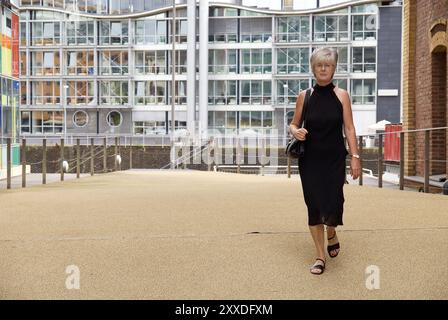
(333, 247)
(318, 266)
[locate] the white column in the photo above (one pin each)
(203, 67)
(191, 67)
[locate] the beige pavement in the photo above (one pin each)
(188, 235)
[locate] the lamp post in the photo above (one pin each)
(173, 83)
(285, 122)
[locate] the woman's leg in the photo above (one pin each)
(317, 232)
(331, 234)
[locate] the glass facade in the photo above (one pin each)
(9, 84)
(257, 63)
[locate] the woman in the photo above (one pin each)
(322, 168)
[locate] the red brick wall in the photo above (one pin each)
(431, 83)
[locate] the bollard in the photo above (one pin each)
(8, 163)
(445, 188)
(78, 158)
(130, 153)
(380, 160)
(426, 185)
(115, 154)
(92, 157)
(263, 150)
(105, 155)
(360, 160)
(62, 159)
(44, 161)
(23, 155)
(238, 155)
(401, 161)
(119, 153)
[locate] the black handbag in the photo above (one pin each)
(296, 148)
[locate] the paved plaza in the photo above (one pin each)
(151, 234)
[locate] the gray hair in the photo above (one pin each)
(324, 54)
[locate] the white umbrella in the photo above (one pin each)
(380, 125)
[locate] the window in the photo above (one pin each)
(256, 61)
(114, 92)
(80, 32)
(181, 31)
(342, 65)
(291, 91)
(149, 127)
(180, 92)
(222, 61)
(257, 120)
(150, 31)
(114, 33)
(47, 122)
(294, 29)
(23, 36)
(267, 119)
(223, 121)
(139, 37)
(80, 93)
(80, 62)
(114, 119)
(45, 92)
(293, 60)
(45, 63)
(222, 92)
(102, 7)
(363, 91)
(181, 61)
(365, 8)
(114, 62)
(150, 62)
(23, 63)
(23, 101)
(363, 59)
(149, 92)
(341, 83)
(80, 119)
(25, 123)
(257, 37)
(45, 33)
(255, 92)
(364, 27)
(331, 28)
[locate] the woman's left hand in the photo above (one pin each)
(355, 168)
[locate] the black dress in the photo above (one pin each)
(322, 168)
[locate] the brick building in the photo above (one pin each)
(425, 81)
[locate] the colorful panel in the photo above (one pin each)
(15, 45)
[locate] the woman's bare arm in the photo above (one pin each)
(349, 127)
(298, 112)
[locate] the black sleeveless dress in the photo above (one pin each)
(322, 168)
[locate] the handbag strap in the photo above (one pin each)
(305, 107)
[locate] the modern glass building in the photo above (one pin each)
(105, 66)
(9, 83)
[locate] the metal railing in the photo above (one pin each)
(245, 154)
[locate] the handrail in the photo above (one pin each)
(164, 137)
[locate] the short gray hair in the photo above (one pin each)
(324, 54)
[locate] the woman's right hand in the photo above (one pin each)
(300, 134)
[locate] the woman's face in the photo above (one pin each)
(324, 71)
